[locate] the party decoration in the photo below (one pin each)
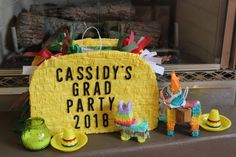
(69, 140)
(35, 135)
(84, 89)
(131, 127)
(130, 45)
(62, 43)
(213, 121)
(94, 44)
(177, 109)
(149, 58)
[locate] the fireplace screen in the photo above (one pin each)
(182, 31)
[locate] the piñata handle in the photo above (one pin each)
(99, 36)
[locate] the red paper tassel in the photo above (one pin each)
(142, 44)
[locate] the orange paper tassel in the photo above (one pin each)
(174, 85)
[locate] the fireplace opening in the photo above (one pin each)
(183, 31)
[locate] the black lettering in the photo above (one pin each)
(96, 120)
(101, 103)
(59, 79)
(128, 69)
(111, 100)
(90, 104)
(76, 118)
(97, 72)
(86, 88)
(87, 121)
(97, 89)
(69, 74)
(106, 72)
(75, 89)
(79, 106)
(105, 119)
(80, 74)
(115, 68)
(107, 87)
(88, 70)
(69, 104)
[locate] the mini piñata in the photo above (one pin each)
(84, 89)
(131, 127)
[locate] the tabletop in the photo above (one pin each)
(109, 144)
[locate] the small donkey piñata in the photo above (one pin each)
(177, 109)
(131, 127)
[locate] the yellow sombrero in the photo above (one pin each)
(213, 121)
(69, 141)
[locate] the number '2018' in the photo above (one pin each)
(88, 120)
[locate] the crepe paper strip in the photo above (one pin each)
(125, 42)
(74, 49)
(141, 38)
(148, 54)
(65, 45)
(121, 39)
(56, 47)
(128, 40)
(142, 44)
(157, 68)
(37, 61)
(148, 57)
(44, 54)
(129, 47)
(131, 37)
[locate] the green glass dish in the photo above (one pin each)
(35, 135)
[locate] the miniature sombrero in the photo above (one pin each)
(214, 121)
(69, 141)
